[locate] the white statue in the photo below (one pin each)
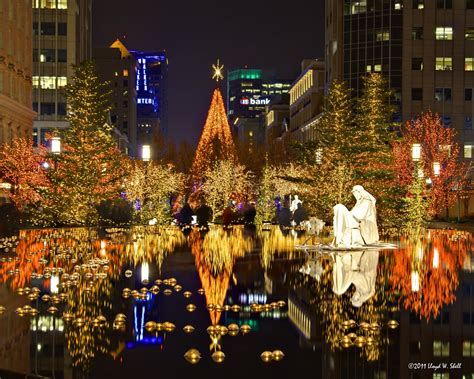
(358, 226)
(294, 204)
(358, 268)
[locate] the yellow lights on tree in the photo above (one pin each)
(416, 152)
(56, 145)
(436, 168)
(146, 153)
(217, 71)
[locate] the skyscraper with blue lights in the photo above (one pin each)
(152, 102)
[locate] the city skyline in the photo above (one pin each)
(275, 40)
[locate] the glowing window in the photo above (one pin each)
(444, 63)
(468, 150)
(469, 64)
(382, 35)
(444, 33)
(125, 72)
(378, 68)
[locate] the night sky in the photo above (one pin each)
(273, 35)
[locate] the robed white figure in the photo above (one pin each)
(358, 268)
(358, 226)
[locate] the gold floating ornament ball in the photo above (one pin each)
(2, 309)
(374, 326)
(63, 296)
(119, 326)
(188, 329)
(200, 291)
(32, 296)
(365, 325)
(172, 282)
(155, 290)
(144, 290)
(346, 342)
(159, 326)
(346, 324)
(27, 308)
(150, 326)
(352, 335)
(370, 341)
(392, 324)
(360, 341)
(233, 327)
(245, 329)
(95, 322)
(102, 319)
(145, 281)
(126, 292)
(352, 323)
(190, 307)
(168, 326)
(45, 298)
(222, 330)
(187, 294)
(158, 282)
(193, 356)
(177, 288)
(274, 305)
(120, 317)
(20, 291)
(128, 273)
(218, 356)
(226, 308)
(67, 316)
(78, 322)
(211, 329)
(135, 294)
(267, 307)
(211, 307)
(52, 310)
(167, 292)
(218, 308)
(34, 312)
(277, 355)
(235, 308)
(266, 356)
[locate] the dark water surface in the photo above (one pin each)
(70, 310)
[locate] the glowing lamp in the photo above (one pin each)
(54, 284)
(146, 153)
(416, 151)
(415, 281)
(436, 168)
(56, 145)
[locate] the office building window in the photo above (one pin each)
(468, 152)
(417, 33)
(47, 109)
(444, 63)
(444, 33)
(355, 7)
(62, 109)
(125, 83)
(378, 68)
(368, 68)
(468, 64)
(382, 35)
(416, 94)
(468, 122)
(62, 29)
(417, 64)
(446, 121)
(418, 4)
(469, 4)
(49, 82)
(443, 94)
(444, 4)
(50, 4)
(469, 34)
(62, 55)
(125, 72)
(441, 375)
(468, 94)
(441, 348)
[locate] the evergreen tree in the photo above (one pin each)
(89, 167)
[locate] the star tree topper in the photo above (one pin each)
(217, 71)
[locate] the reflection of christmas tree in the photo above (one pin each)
(216, 141)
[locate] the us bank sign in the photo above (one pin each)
(251, 101)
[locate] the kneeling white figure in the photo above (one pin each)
(357, 227)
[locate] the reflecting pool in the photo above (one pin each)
(237, 302)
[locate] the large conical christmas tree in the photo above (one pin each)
(216, 141)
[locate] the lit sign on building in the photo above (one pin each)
(251, 101)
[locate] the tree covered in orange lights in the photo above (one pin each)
(439, 149)
(21, 165)
(216, 141)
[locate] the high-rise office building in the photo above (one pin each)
(117, 66)
(16, 116)
(424, 48)
(61, 38)
(152, 99)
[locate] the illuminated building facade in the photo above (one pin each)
(306, 101)
(152, 99)
(62, 37)
(16, 116)
(118, 66)
(430, 42)
(249, 91)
